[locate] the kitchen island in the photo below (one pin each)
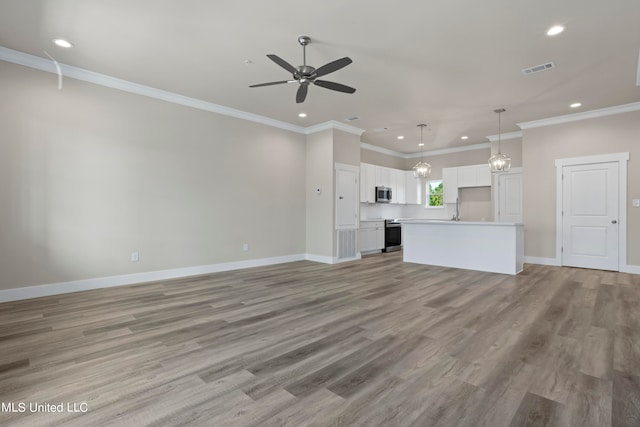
(496, 247)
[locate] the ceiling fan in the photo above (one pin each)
(306, 74)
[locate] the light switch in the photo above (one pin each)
(635, 203)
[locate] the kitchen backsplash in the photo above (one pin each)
(389, 210)
(475, 205)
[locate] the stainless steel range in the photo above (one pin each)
(392, 235)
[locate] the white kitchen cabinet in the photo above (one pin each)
(371, 235)
(449, 185)
(467, 176)
(474, 176)
(398, 186)
(412, 189)
(383, 176)
(367, 183)
(483, 175)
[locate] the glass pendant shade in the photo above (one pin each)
(499, 162)
(421, 169)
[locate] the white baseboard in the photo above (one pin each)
(355, 258)
(16, 294)
(632, 269)
(330, 260)
(541, 261)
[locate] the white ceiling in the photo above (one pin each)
(447, 63)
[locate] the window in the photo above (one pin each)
(434, 193)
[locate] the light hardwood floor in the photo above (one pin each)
(373, 343)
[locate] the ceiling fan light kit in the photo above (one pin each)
(306, 74)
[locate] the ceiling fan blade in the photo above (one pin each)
(301, 95)
(284, 64)
(332, 66)
(273, 83)
(334, 86)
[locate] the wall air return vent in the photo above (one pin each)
(538, 68)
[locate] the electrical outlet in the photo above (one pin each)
(635, 203)
(135, 256)
(245, 247)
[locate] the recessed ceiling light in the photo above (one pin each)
(555, 30)
(575, 105)
(400, 137)
(62, 43)
(464, 137)
(302, 115)
(421, 145)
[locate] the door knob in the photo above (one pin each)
(614, 222)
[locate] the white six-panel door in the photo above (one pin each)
(590, 216)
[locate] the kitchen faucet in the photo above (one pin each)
(456, 217)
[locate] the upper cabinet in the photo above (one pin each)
(383, 176)
(403, 191)
(412, 186)
(449, 185)
(397, 186)
(367, 183)
(474, 176)
(463, 177)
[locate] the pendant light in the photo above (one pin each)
(499, 162)
(421, 169)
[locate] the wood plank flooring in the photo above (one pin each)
(376, 342)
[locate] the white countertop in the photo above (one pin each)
(449, 222)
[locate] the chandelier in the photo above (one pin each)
(499, 162)
(421, 169)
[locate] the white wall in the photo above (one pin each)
(89, 174)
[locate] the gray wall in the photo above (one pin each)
(89, 174)
(542, 146)
(320, 211)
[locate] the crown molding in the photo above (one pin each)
(70, 71)
(370, 147)
(593, 114)
(365, 146)
(505, 136)
(333, 124)
(451, 150)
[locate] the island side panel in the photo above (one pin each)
(483, 247)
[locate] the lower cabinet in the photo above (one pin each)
(371, 235)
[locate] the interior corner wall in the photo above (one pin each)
(89, 174)
(320, 205)
(542, 146)
(346, 148)
(380, 159)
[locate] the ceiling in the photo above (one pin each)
(445, 63)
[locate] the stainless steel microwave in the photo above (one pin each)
(383, 195)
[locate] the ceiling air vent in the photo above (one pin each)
(538, 68)
(351, 119)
